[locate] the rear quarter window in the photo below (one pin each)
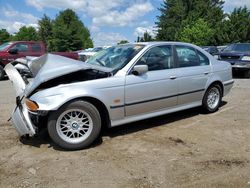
(203, 59)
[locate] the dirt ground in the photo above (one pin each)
(184, 149)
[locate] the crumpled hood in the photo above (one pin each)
(50, 66)
(45, 68)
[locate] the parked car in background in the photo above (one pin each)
(211, 49)
(86, 54)
(10, 51)
(238, 55)
(221, 48)
(121, 84)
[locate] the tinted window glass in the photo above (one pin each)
(187, 56)
(21, 47)
(36, 48)
(158, 58)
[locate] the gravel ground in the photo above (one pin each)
(184, 149)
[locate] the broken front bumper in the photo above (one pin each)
(22, 122)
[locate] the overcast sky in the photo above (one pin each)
(109, 21)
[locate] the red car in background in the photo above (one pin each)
(10, 51)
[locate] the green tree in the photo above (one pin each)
(123, 42)
(169, 22)
(145, 38)
(237, 25)
(45, 30)
(4, 36)
(177, 14)
(198, 33)
(69, 33)
(26, 34)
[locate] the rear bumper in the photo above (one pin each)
(22, 122)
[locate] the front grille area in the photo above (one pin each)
(225, 57)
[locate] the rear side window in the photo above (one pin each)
(188, 57)
(36, 48)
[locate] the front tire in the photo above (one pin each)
(1, 73)
(75, 125)
(212, 98)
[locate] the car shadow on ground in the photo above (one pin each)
(154, 122)
(239, 75)
(43, 137)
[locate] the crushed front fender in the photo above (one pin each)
(21, 121)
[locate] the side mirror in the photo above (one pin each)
(140, 69)
(13, 51)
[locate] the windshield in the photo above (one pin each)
(116, 57)
(238, 48)
(5, 45)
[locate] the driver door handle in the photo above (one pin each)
(173, 77)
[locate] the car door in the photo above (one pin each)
(155, 90)
(193, 73)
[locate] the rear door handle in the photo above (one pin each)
(173, 77)
(206, 73)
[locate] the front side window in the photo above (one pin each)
(187, 56)
(158, 58)
(21, 47)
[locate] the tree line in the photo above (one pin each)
(202, 22)
(65, 33)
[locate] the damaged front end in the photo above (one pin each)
(21, 120)
(49, 71)
(20, 117)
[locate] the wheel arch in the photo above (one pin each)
(219, 83)
(100, 106)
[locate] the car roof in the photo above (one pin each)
(165, 42)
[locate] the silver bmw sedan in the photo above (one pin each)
(121, 84)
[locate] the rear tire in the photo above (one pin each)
(75, 125)
(212, 98)
(2, 73)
